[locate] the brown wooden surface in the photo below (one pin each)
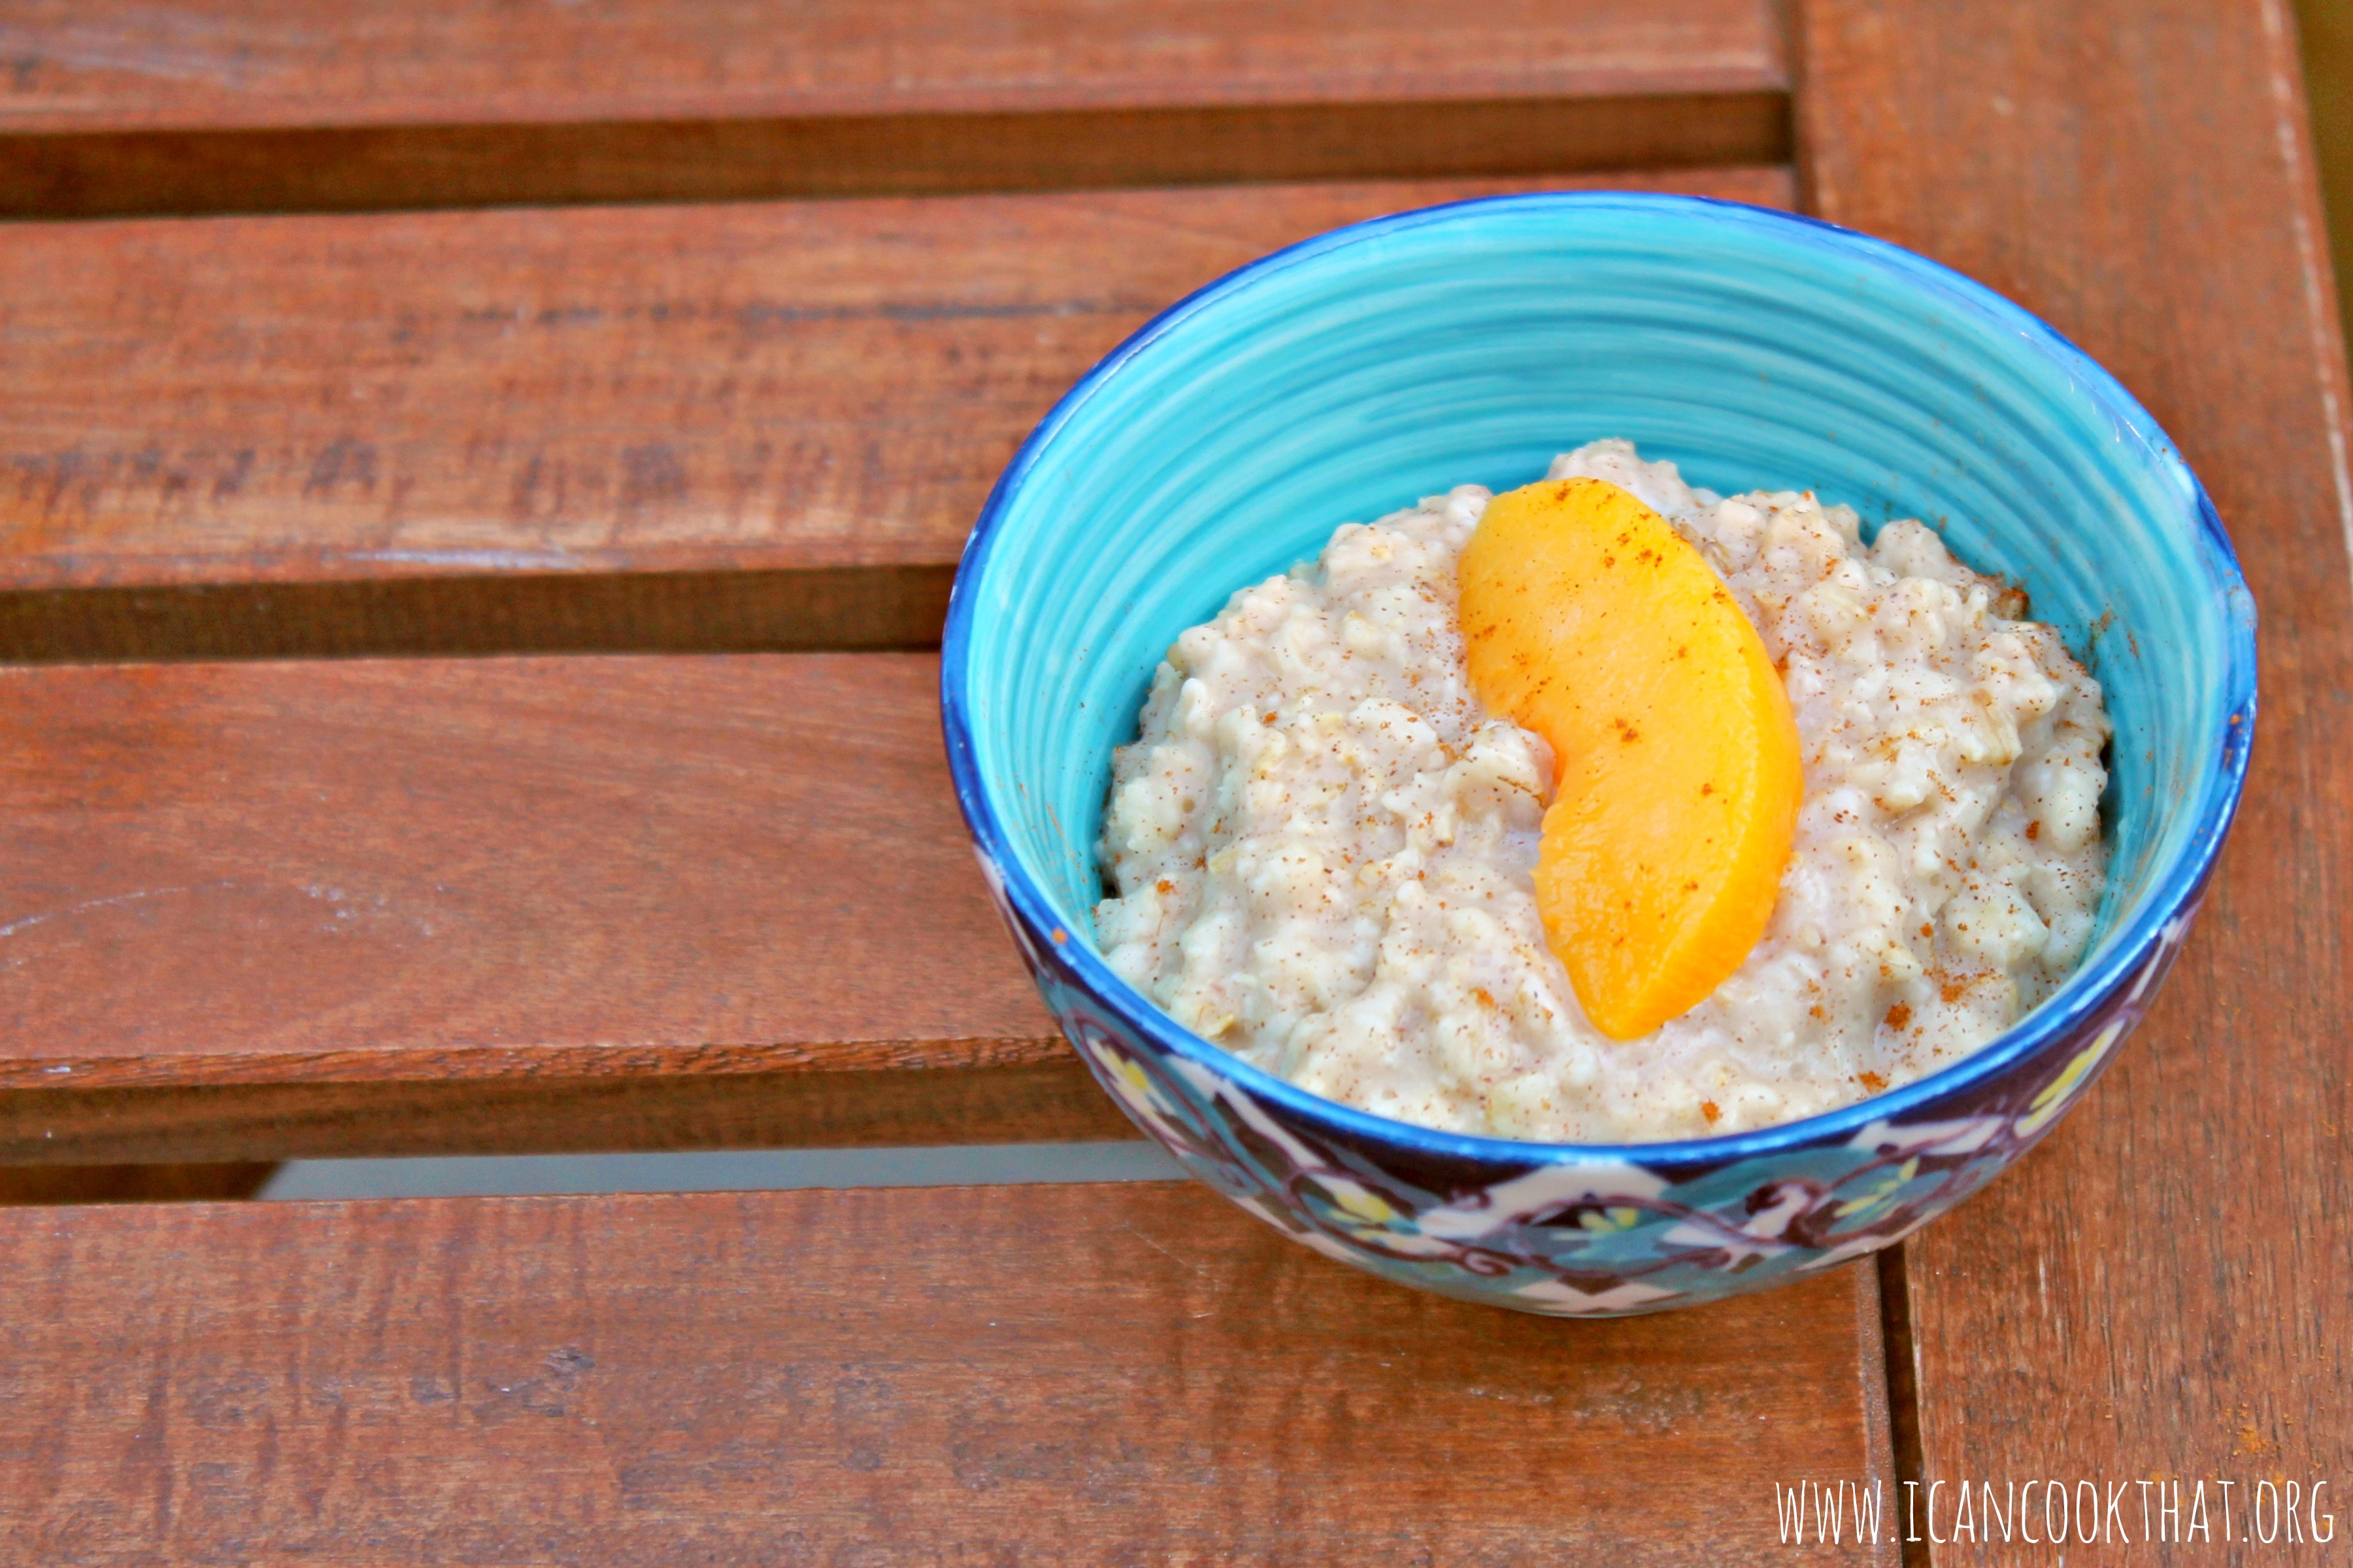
(658, 903)
(768, 427)
(2165, 1287)
(383, 869)
(108, 107)
(584, 429)
(109, 65)
(1124, 1373)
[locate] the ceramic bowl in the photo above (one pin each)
(1354, 373)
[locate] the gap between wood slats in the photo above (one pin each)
(62, 176)
(728, 1171)
(51, 1186)
(846, 608)
(1899, 1355)
(1048, 1100)
(1128, 1159)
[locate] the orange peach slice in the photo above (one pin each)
(1593, 623)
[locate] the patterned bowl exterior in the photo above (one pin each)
(1359, 371)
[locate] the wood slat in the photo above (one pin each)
(561, 871)
(376, 870)
(676, 429)
(1125, 1374)
(110, 108)
(107, 65)
(2166, 1289)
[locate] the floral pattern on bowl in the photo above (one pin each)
(1596, 1234)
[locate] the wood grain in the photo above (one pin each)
(2165, 1287)
(575, 430)
(1126, 1373)
(107, 65)
(433, 869)
(108, 108)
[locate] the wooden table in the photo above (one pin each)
(477, 487)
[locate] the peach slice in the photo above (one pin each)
(1593, 623)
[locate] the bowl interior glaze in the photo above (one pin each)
(1356, 373)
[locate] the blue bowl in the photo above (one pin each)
(1352, 374)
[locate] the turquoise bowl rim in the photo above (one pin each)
(2056, 1021)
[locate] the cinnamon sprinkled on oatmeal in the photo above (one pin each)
(1320, 848)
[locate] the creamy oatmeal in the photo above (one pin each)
(1322, 844)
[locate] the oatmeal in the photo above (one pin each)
(1322, 844)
